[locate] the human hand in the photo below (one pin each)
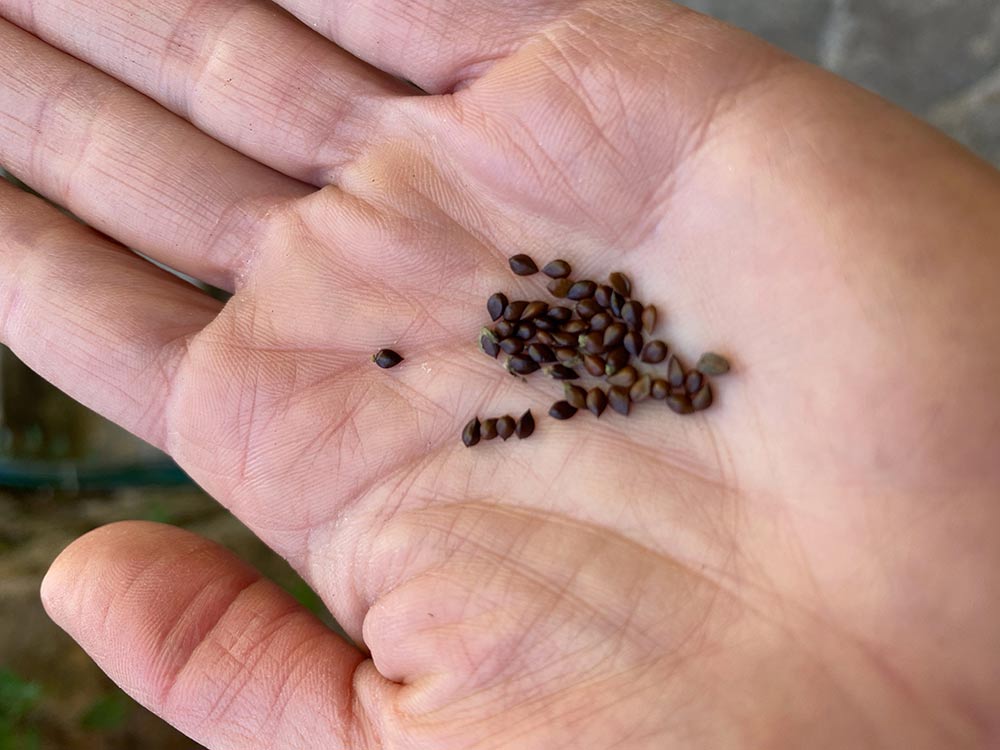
(802, 566)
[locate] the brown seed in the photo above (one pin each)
(624, 377)
(632, 314)
(520, 364)
(488, 345)
(488, 430)
(561, 372)
(614, 334)
(680, 404)
(576, 326)
(654, 352)
(601, 321)
(620, 283)
(541, 353)
(545, 337)
(560, 314)
(616, 360)
(565, 338)
(592, 343)
(633, 343)
(534, 309)
(617, 302)
(597, 401)
(525, 331)
(618, 400)
(470, 435)
(496, 304)
(504, 328)
(582, 289)
(703, 398)
(559, 287)
(575, 395)
(562, 410)
(386, 358)
(593, 365)
(660, 389)
(505, 427)
(557, 269)
(512, 313)
(587, 308)
(512, 346)
(567, 355)
(712, 364)
(525, 425)
(675, 372)
(693, 382)
(640, 389)
(522, 265)
(545, 323)
(603, 295)
(649, 318)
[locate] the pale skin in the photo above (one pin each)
(811, 563)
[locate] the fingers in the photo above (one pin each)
(99, 322)
(202, 640)
(244, 72)
(129, 167)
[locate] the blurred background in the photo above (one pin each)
(64, 470)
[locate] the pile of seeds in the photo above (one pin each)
(599, 328)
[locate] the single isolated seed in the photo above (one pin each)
(620, 283)
(576, 326)
(534, 309)
(624, 377)
(470, 435)
(649, 318)
(575, 395)
(654, 352)
(680, 404)
(601, 321)
(660, 389)
(541, 353)
(386, 358)
(582, 290)
(560, 314)
(602, 295)
(587, 308)
(675, 372)
(640, 389)
(503, 329)
(519, 364)
(597, 401)
(557, 269)
(712, 364)
(703, 398)
(559, 288)
(525, 331)
(614, 334)
(522, 265)
(505, 427)
(616, 360)
(618, 400)
(496, 304)
(632, 314)
(562, 410)
(512, 313)
(633, 343)
(525, 425)
(693, 382)
(592, 343)
(593, 364)
(561, 372)
(488, 430)
(488, 345)
(512, 346)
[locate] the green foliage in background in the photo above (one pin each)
(18, 698)
(107, 713)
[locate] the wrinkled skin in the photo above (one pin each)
(811, 563)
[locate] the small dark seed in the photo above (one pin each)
(712, 364)
(597, 401)
(470, 435)
(488, 430)
(512, 346)
(601, 321)
(624, 377)
(620, 283)
(633, 343)
(640, 389)
(617, 302)
(525, 425)
(512, 312)
(545, 323)
(614, 334)
(534, 309)
(488, 345)
(496, 304)
(587, 308)
(559, 287)
(561, 372)
(693, 382)
(576, 326)
(503, 329)
(505, 427)
(618, 400)
(545, 337)
(560, 314)
(557, 269)
(568, 356)
(680, 404)
(525, 331)
(660, 389)
(593, 365)
(541, 353)
(582, 290)
(616, 360)
(386, 358)
(603, 295)
(575, 395)
(632, 314)
(654, 352)
(703, 398)
(562, 410)
(592, 343)
(675, 372)
(565, 338)
(522, 265)
(520, 364)
(649, 318)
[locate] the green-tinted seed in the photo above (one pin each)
(525, 425)
(587, 308)
(624, 377)
(633, 343)
(557, 269)
(601, 321)
(592, 343)
(559, 287)
(541, 353)
(470, 435)
(593, 364)
(505, 427)
(620, 283)
(576, 326)
(649, 318)
(568, 356)
(597, 401)
(496, 304)
(512, 346)
(680, 404)
(632, 315)
(512, 313)
(582, 290)
(603, 296)
(562, 410)
(561, 372)
(534, 309)
(675, 372)
(654, 352)
(660, 389)
(575, 395)
(386, 358)
(488, 430)
(618, 400)
(703, 398)
(520, 364)
(614, 334)
(712, 364)
(616, 360)
(522, 265)
(693, 382)
(640, 389)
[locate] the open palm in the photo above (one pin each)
(802, 566)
